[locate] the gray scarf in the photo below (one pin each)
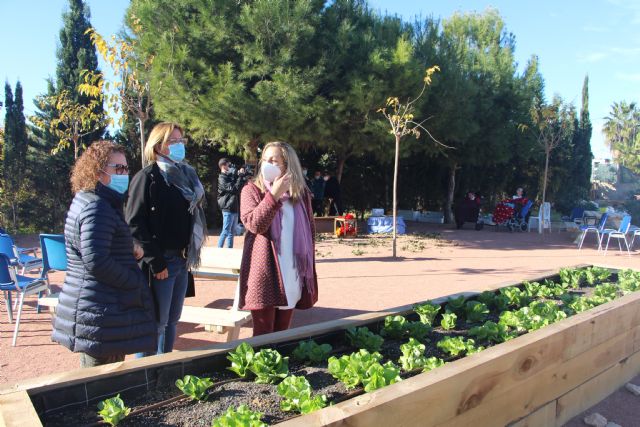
(184, 178)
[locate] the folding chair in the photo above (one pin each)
(620, 233)
(17, 258)
(586, 228)
(23, 286)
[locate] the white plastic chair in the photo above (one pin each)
(636, 232)
(543, 219)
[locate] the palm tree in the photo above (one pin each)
(622, 132)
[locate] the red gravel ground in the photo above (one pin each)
(354, 276)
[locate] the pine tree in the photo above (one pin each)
(75, 54)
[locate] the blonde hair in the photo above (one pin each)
(159, 135)
(86, 171)
(298, 185)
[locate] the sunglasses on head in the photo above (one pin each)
(120, 168)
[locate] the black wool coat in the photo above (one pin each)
(105, 306)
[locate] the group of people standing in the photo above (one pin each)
(131, 248)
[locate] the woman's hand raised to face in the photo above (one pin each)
(281, 185)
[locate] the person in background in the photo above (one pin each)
(519, 194)
(332, 194)
(317, 190)
(105, 309)
(230, 182)
(165, 211)
(277, 272)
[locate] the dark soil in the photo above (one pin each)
(228, 390)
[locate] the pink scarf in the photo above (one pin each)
(302, 239)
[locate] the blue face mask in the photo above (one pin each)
(119, 183)
(177, 152)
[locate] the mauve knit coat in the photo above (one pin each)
(260, 279)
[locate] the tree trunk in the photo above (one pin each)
(15, 216)
(251, 151)
(395, 192)
(340, 167)
(142, 139)
(544, 190)
(448, 209)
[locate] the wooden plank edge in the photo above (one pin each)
(596, 389)
(16, 410)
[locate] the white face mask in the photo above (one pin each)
(270, 172)
(326, 178)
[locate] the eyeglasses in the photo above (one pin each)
(177, 141)
(120, 168)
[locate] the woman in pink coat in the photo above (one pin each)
(278, 261)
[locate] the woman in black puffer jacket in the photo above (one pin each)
(105, 309)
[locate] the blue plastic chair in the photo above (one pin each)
(598, 229)
(620, 233)
(23, 286)
(54, 257)
(54, 254)
(16, 257)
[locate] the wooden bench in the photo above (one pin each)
(214, 319)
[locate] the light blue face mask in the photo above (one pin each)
(177, 152)
(119, 183)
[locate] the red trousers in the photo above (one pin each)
(270, 319)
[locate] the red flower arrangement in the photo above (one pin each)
(349, 226)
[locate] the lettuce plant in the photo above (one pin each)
(455, 305)
(241, 417)
(355, 369)
(629, 280)
(427, 312)
(378, 376)
(413, 357)
(491, 331)
(457, 345)
(448, 321)
(515, 296)
(487, 298)
(194, 387)
(394, 327)
(571, 277)
(596, 275)
(269, 366)
(113, 410)
(608, 291)
(418, 330)
(296, 394)
(476, 311)
(310, 350)
(363, 338)
(241, 359)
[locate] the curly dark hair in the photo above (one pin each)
(86, 171)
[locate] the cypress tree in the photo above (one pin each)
(582, 148)
(76, 53)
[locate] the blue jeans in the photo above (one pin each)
(229, 222)
(169, 298)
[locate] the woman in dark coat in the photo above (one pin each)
(104, 311)
(166, 216)
(278, 271)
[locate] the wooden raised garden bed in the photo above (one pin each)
(543, 377)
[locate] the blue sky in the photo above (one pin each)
(572, 38)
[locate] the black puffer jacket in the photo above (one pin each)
(229, 186)
(105, 307)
